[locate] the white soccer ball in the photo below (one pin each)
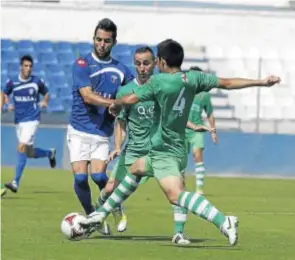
(71, 228)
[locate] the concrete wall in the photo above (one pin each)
(237, 153)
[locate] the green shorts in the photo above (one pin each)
(196, 141)
(121, 168)
(161, 165)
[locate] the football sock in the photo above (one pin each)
(100, 179)
(200, 174)
(180, 215)
(41, 153)
(19, 168)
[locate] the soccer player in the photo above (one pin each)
(138, 119)
(202, 102)
(96, 80)
(173, 92)
(3, 190)
(26, 89)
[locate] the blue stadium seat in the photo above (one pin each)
(63, 47)
(132, 69)
(55, 70)
(67, 103)
(66, 58)
(55, 105)
(25, 46)
(48, 58)
(44, 47)
(68, 69)
(64, 93)
(58, 81)
(123, 49)
(3, 82)
(13, 67)
(10, 57)
(39, 70)
(82, 49)
(125, 59)
(7, 45)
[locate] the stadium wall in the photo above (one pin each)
(192, 26)
(237, 153)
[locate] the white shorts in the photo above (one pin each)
(26, 132)
(85, 147)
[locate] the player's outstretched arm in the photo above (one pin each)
(238, 83)
(120, 135)
(199, 128)
(92, 98)
(117, 106)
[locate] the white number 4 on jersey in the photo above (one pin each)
(179, 104)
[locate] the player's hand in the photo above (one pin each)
(204, 128)
(270, 81)
(43, 104)
(214, 137)
(114, 154)
(114, 109)
(10, 107)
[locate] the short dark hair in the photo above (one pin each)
(144, 49)
(26, 58)
(195, 68)
(107, 25)
(172, 52)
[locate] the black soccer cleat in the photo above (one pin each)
(52, 159)
(12, 187)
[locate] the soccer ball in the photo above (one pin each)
(70, 227)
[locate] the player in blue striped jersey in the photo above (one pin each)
(25, 90)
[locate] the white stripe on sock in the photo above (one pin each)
(182, 201)
(202, 206)
(107, 206)
(116, 198)
(124, 190)
(179, 217)
(200, 176)
(212, 213)
(130, 181)
(200, 169)
(193, 200)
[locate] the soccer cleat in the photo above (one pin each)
(180, 239)
(3, 191)
(52, 159)
(105, 229)
(95, 219)
(230, 229)
(120, 219)
(12, 186)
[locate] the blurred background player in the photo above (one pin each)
(96, 79)
(173, 92)
(195, 139)
(138, 119)
(25, 90)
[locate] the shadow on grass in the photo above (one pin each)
(47, 192)
(214, 247)
(143, 238)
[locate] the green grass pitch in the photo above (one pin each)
(31, 222)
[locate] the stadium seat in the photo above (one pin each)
(55, 105)
(7, 45)
(44, 47)
(66, 58)
(58, 81)
(48, 58)
(64, 47)
(121, 49)
(9, 57)
(55, 70)
(33, 54)
(13, 67)
(68, 69)
(25, 46)
(82, 48)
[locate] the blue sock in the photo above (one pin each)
(19, 168)
(83, 192)
(40, 153)
(100, 178)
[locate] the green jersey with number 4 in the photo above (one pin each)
(202, 102)
(173, 95)
(139, 119)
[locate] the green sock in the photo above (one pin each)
(121, 193)
(200, 175)
(180, 215)
(198, 205)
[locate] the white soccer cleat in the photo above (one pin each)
(120, 218)
(230, 229)
(105, 229)
(94, 219)
(180, 239)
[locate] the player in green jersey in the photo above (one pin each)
(195, 140)
(138, 119)
(173, 92)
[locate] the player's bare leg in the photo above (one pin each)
(200, 170)
(199, 205)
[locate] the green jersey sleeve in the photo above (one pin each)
(123, 91)
(147, 91)
(203, 81)
(208, 104)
